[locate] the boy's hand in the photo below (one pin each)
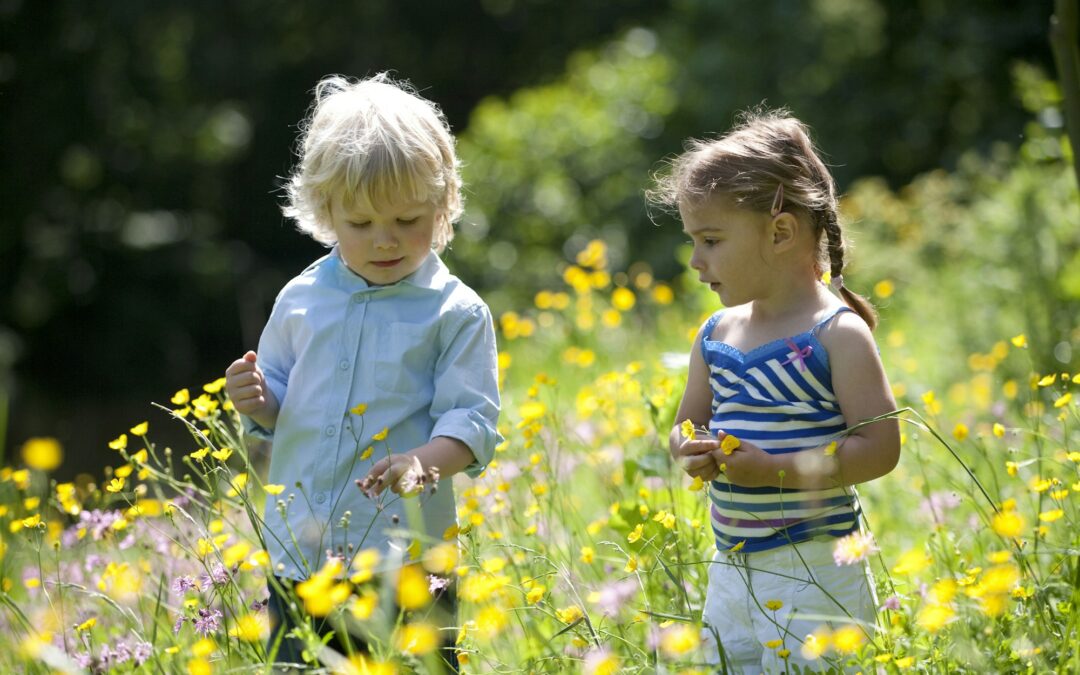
(402, 473)
(246, 385)
(747, 465)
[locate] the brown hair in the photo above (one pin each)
(767, 152)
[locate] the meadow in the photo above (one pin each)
(581, 548)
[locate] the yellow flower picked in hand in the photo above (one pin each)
(687, 429)
(729, 444)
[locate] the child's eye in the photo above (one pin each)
(407, 221)
(360, 226)
(709, 242)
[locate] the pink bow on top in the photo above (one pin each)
(797, 354)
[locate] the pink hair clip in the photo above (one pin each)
(778, 201)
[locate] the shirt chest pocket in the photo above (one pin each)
(405, 358)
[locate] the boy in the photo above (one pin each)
(376, 345)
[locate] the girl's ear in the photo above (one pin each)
(784, 231)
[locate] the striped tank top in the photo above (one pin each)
(779, 397)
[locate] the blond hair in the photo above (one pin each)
(371, 141)
(767, 149)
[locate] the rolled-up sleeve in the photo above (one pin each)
(275, 358)
(465, 405)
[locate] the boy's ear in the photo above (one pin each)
(784, 230)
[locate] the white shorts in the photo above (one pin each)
(741, 583)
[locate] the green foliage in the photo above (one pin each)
(986, 251)
(556, 165)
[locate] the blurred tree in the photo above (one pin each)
(141, 241)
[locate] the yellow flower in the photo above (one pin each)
(441, 559)
(367, 453)
(830, 449)
(848, 639)
(662, 294)
(933, 406)
(696, 485)
(215, 386)
(1051, 516)
(363, 606)
(86, 625)
(1047, 380)
(43, 454)
(200, 454)
(569, 614)
(359, 409)
(738, 547)
(816, 644)
(381, 436)
(623, 299)
(222, 454)
(140, 429)
(687, 429)
(418, 639)
(912, 562)
(587, 554)
(1063, 400)
(960, 431)
(531, 411)
(535, 594)
(1019, 341)
(119, 443)
(934, 617)
(884, 288)
(115, 485)
(250, 628)
(635, 535)
(679, 640)
(729, 444)
(999, 429)
(1008, 524)
(774, 605)
(412, 591)
(274, 489)
(181, 397)
(631, 564)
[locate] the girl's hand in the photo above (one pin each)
(747, 465)
(403, 474)
(696, 459)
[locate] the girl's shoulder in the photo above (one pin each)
(844, 334)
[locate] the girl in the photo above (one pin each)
(781, 378)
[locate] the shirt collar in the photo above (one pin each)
(431, 275)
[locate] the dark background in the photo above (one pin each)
(141, 241)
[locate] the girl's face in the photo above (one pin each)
(384, 243)
(729, 248)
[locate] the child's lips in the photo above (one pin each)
(386, 263)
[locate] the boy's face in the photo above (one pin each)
(386, 242)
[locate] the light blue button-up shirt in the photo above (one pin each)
(420, 353)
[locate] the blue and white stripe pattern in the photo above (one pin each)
(779, 397)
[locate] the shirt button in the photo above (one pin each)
(344, 365)
(330, 430)
(320, 498)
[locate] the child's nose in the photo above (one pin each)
(385, 240)
(695, 261)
